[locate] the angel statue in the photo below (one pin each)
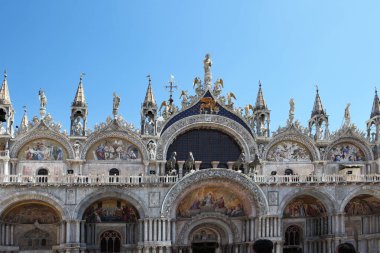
(116, 104)
(347, 115)
(197, 84)
(230, 96)
(166, 113)
(218, 86)
(152, 150)
(246, 110)
(43, 99)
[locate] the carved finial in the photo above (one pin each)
(375, 90)
(81, 76)
(25, 108)
(259, 83)
(149, 79)
(5, 74)
(316, 87)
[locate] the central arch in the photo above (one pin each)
(240, 182)
(241, 135)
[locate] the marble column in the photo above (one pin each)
(180, 168)
(164, 224)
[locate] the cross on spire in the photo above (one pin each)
(171, 88)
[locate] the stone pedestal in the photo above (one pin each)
(180, 168)
(215, 164)
(197, 165)
(230, 165)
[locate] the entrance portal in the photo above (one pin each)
(204, 247)
(110, 242)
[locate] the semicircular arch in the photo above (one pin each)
(133, 199)
(217, 221)
(53, 202)
(192, 181)
(19, 144)
(354, 141)
(305, 142)
(326, 199)
(128, 136)
(361, 190)
(216, 122)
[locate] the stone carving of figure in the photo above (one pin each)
(218, 86)
(207, 63)
(116, 104)
(171, 164)
(291, 110)
(76, 149)
(149, 125)
(77, 127)
(197, 84)
(43, 99)
(190, 162)
(152, 150)
(347, 115)
(185, 99)
(230, 96)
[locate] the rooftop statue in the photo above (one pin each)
(116, 104)
(207, 63)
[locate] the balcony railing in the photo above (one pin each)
(86, 180)
(169, 180)
(305, 179)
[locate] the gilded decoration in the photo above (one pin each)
(110, 210)
(363, 205)
(43, 150)
(345, 152)
(31, 213)
(304, 206)
(114, 149)
(210, 199)
(289, 151)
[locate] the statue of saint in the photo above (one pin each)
(207, 63)
(43, 99)
(347, 115)
(116, 103)
(291, 110)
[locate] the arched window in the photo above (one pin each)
(114, 173)
(293, 236)
(110, 242)
(42, 175)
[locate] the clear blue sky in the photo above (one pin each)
(289, 45)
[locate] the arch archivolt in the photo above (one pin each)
(361, 144)
(326, 199)
(121, 134)
(362, 190)
(240, 184)
(217, 122)
(128, 196)
(24, 198)
(293, 137)
(226, 229)
(41, 132)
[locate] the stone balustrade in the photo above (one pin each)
(168, 180)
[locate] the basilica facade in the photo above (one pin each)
(201, 176)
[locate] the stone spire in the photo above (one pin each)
(5, 99)
(373, 124)
(24, 121)
(149, 97)
(319, 122)
(375, 106)
(78, 117)
(149, 109)
(260, 102)
(318, 107)
(80, 99)
(261, 115)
